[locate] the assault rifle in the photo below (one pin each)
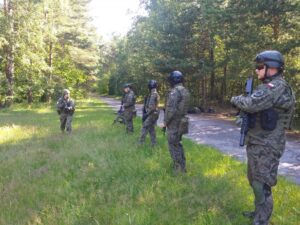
(144, 117)
(164, 129)
(244, 115)
(120, 117)
(69, 108)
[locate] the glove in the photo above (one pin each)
(239, 120)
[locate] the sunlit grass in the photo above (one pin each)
(99, 175)
(13, 133)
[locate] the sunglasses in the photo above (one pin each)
(259, 66)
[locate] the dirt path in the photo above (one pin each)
(224, 135)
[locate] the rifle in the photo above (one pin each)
(144, 117)
(244, 115)
(164, 129)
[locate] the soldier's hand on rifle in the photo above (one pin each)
(238, 120)
(121, 109)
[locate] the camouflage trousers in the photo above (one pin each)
(128, 116)
(149, 127)
(66, 122)
(175, 146)
(263, 162)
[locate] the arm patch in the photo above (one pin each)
(258, 94)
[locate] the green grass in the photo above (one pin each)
(98, 175)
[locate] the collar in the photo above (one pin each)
(177, 85)
(153, 90)
(274, 77)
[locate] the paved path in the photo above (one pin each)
(224, 135)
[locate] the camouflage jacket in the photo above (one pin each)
(177, 103)
(274, 93)
(152, 102)
(129, 100)
(65, 106)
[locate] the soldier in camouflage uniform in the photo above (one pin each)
(175, 119)
(150, 113)
(272, 105)
(65, 108)
(129, 107)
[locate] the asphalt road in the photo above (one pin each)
(224, 135)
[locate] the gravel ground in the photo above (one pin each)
(222, 134)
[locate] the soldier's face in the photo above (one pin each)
(66, 96)
(260, 71)
(126, 90)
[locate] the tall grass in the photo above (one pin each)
(99, 175)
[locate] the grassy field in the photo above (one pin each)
(99, 175)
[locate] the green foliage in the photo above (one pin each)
(212, 42)
(99, 175)
(54, 47)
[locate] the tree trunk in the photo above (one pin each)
(50, 60)
(212, 73)
(204, 93)
(224, 84)
(276, 26)
(29, 96)
(5, 7)
(10, 66)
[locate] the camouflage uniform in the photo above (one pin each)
(129, 110)
(175, 110)
(152, 112)
(65, 108)
(265, 147)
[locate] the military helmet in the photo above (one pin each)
(271, 58)
(175, 77)
(66, 91)
(126, 85)
(152, 84)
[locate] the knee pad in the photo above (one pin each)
(259, 192)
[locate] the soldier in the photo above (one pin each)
(65, 108)
(272, 105)
(129, 107)
(175, 119)
(150, 113)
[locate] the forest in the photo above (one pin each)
(213, 42)
(47, 45)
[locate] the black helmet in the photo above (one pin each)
(152, 84)
(272, 59)
(175, 77)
